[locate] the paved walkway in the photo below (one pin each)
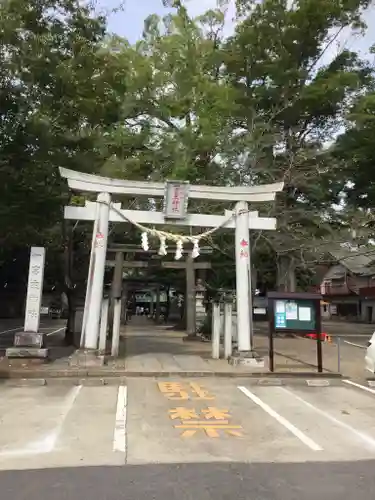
(151, 348)
(148, 349)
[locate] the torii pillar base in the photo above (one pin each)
(87, 358)
(193, 337)
(250, 359)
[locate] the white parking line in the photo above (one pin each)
(355, 345)
(364, 437)
(283, 421)
(20, 328)
(44, 328)
(119, 436)
(68, 405)
(363, 387)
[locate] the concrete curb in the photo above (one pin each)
(105, 373)
(116, 381)
(25, 382)
(101, 376)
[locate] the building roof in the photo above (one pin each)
(360, 262)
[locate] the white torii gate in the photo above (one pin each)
(104, 211)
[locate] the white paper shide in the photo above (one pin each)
(34, 289)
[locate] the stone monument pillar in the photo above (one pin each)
(30, 342)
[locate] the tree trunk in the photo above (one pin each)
(69, 330)
(68, 284)
(254, 279)
(168, 304)
(286, 274)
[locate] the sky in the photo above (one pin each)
(128, 22)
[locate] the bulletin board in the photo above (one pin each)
(298, 314)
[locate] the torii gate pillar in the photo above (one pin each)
(94, 303)
(243, 279)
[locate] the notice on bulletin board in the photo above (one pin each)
(304, 313)
(291, 310)
(280, 320)
(280, 306)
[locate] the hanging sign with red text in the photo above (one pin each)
(176, 199)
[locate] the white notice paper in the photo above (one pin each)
(304, 313)
(280, 306)
(291, 310)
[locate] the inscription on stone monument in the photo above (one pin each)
(34, 289)
(26, 339)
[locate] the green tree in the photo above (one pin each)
(292, 102)
(177, 99)
(61, 88)
(256, 108)
(354, 150)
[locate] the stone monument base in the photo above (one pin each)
(28, 345)
(26, 352)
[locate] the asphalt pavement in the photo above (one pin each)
(196, 481)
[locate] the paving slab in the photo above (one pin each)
(186, 362)
(29, 416)
(146, 362)
(350, 416)
(333, 439)
(58, 426)
(180, 420)
(168, 362)
(273, 425)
